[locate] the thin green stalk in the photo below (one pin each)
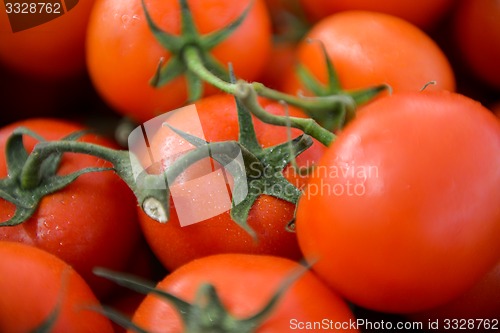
(150, 190)
(29, 173)
(194, 62)
(308, 104)
(309, 126)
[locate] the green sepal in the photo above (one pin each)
(144, 287)
(333, 85)
(365, 95)
(246, 130)
(27, 201)
(164, 74)
(118, 318)
(188, 26)
(224, 153)
(169, 41)
(16, 154)
(49, 323)
(189, 38)
(282, 154)
(37, 171)
(339, 115)
(239, 213)
(310, 82)
(317, 88)
(50, 165)
(274, 158)
(211, 40)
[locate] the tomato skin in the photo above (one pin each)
(175, 245)
(422, 227)
(92, 222)
(281, 61)
(245, 283)
(477, 34)
(369, 49)
(53, 50)
(479, 302)
(424, 13)
(32, 281)
(122, 53)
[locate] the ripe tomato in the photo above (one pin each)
(369, 49)
(281, 61)
(477, 33)
(175, 245)
(245, 283)
(33, 283)
(402, 211)
(55, 49)
(122, 53)
(424, 13)
(92, 222)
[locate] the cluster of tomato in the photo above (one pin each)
(398, 216)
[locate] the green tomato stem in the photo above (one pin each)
(150, 190)
(194, 62)
(309, 126)
(310, 105)
(248, 92)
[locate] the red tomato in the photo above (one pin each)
(477, 33)
(245, 283)
(33, 283)
(92, 222)
(281, 61)
(474, 310)
(402, 211)
(123, 54)
(421, 13)
(369, 49)
(175, 245)
(55, 49)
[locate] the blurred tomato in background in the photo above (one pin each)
(52, 50)
(423, 13)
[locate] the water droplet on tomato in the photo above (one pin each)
(125, 20)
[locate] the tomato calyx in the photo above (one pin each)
(249, 92)
(269, 179)
(29, 180)
(262, 169)
(190, 38)
(335, 118)
(207, 314)
(33, 176)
